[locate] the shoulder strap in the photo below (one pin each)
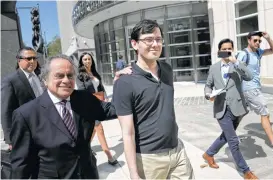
(247, 56)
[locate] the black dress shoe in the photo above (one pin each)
(113, 162)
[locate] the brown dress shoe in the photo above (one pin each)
(250, 175)
(210, 161)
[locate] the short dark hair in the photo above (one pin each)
(227, 40)
(120, 56)
(145, 26)
(19, 53)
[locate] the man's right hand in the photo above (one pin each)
(207, 96)
(10, 147)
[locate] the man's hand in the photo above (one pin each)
(232, 58)
(207, 96)
(127, 70)
(10, 147)
(266, 35)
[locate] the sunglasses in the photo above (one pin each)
(257, 40)
(29, 58)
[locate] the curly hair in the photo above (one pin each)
(83, 75)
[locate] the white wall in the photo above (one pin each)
(64, 9)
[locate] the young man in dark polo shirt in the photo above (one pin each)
(145, 108)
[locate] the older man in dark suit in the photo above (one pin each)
(19, 87)
(48, 133)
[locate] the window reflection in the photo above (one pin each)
(180, 37)
(180, 50)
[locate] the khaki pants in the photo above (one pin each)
(173, 164)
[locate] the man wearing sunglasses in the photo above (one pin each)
(252, 89)
(19, 87)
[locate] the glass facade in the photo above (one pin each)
(186, 40)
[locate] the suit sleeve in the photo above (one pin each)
(209, 83)
(244, 72)
(9, 104)
(23, 156)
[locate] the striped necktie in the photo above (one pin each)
(68, 120)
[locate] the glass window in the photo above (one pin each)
(203, 61)
(180, 37)
(182, 63)
(183, 76)
(119, 46)
(202, 35)
(154, 14)
(117, 23)
(175, 11)
(202, 74)
(133, 18)
(245, 8)
(202, 48)
(241, 42)
(181, 50)
(106, 68)
(199, 8)
(106, 26)
(247, 25)
(105, 58)
(119, 34)
(200, 22)
(179, 24)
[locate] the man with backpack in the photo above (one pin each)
(120, 63)
(252, 89)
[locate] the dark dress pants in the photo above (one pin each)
(229, 124)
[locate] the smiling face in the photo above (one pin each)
(87, 61)
(61, 78)
(149, 46)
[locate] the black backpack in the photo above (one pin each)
(247, 57)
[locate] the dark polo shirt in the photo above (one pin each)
(152, 104)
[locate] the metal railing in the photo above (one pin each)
(85, 8)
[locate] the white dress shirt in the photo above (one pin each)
(56, 101)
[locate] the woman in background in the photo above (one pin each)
(90, 80)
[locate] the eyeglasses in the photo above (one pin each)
(257, 40)
(29, 58)
(150, 40)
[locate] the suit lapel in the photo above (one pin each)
(230, 83)
(220, 73)
(23, 78)
(52, 114)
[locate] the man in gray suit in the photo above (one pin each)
(229, 104)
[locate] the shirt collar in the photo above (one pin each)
(27, 73)
(55, 99)
(223, 64)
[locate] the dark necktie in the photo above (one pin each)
(68, 120)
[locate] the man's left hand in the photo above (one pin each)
(127, 70)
